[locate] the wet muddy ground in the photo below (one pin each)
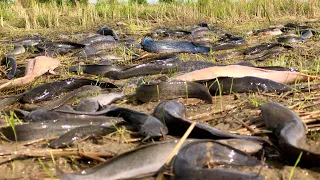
(236, 113)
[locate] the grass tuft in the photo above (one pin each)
(295, 165)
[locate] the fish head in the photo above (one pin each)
(146, 40)
(174, 108)
(153, 128)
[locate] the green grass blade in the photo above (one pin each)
(295, 165)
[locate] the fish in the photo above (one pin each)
(18, 49)
(141, 162)
(172, 113)
(189, 66)
(165, 32)
(46, 115)
(53, 49)
(35, 68)
(291, 133)
(80, 133)
(145, 124)
(233, 43)
(11, 62)
(237, 71)
(96, 38)
(305, 34)
(228, 85)
(95, 69)
(28, 41)
(93, 104)
(77, 93)
(48, 129)
(166, 90)
(51, 90)
(61, 44)
(294, 26)
(7, 101)
(262, 47)
(244, 145)
(191, 160)
(88, 105)
(163, 65)
(268, 31)
(271, 52)
(289, 39)
(172, 46)
(96, 47)
(107, 31)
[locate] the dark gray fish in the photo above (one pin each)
(268, 31)
(46, 115)
(7, 101)
(306, 34)
(200, 32)
(140, 162)
(103, 58)
(172, 46)
(294, 26)
(291, 133)
(56, 45)
(289, 39)
(244, 145)
(28, 41)
(147, 125)
(80, 133)
(11, 62)
(172, 89)
(95, 69)
(18, 49)
(226, 56)
(277, 68)
(51, 90)
(96, 38)
(271, 52)
(165, 32)
(107, 31)
(229, 45)
(227, 85)
(173, 114)
(192, 158)
(93, 104)
(96, 47)
(54, 49)
(48, 129)
(202, 24)
(88, 105)
(189, 66)
(163, 65)
(77, 93)
(65, 108)
(259, 48)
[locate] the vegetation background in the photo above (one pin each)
(79, 14)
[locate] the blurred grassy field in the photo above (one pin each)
(33, 15)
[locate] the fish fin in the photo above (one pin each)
(52, 72)
(145, 139)
(63, 175)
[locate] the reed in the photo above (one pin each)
(35, 15)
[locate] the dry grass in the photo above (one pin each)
(50, 15)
